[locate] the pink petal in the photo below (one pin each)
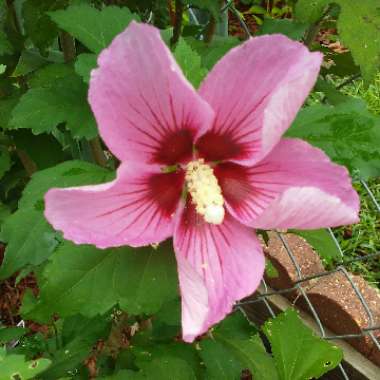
(256, 91)
(145, 108)
(295, 186)
(217, 264)
(137, 208)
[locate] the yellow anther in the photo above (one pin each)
(205, 191)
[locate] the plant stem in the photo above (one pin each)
(56, 336)
(97, 152)
(314, 29)
(29, 165)
(69, 54)
(15, 21)
(177, 23)
(210, 29)
(311, 34)
(171, 12)
(68, 46)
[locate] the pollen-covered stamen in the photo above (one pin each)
(205, 191)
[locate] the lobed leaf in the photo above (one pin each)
(347, 132)
(214, 51)
(66, 174)
(16, 366)
(234, 348)
(30, 239)
(41, 109)
(298, 353)
(95, 29)
(190, 63)
(95, 280)
(358, 27)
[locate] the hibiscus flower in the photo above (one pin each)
(205, 167)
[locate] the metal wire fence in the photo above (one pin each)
(368, 330)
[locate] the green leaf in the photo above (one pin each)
(170, 313)
(333, 95)
(358, 27)
(190, 63)
(153, 274)
(6, 107)
(159, 369)
(322, 242)
(67, 174)
(37, 23)
(4, 213)
(236, 325)
(5, 46)
(290, 28)
(50, 75)
(310, 11)
(5, 160)
(30, 238)
(11, 333)
(348, 133)
(343, 66)
(42, 109)
(95, 29)
(156, 350)
(234, 339)
(167, 321)
(30, 241)
(125, 374)
(270, 270)
(165, 368)
(214, 51)
(79, 335)
(220, 364)
(299, 354)
(12, 366)
(139, 280)
(84, 64)
(257, 9)
(31, 60)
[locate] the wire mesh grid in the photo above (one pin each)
(301, 279)
(264, 297)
